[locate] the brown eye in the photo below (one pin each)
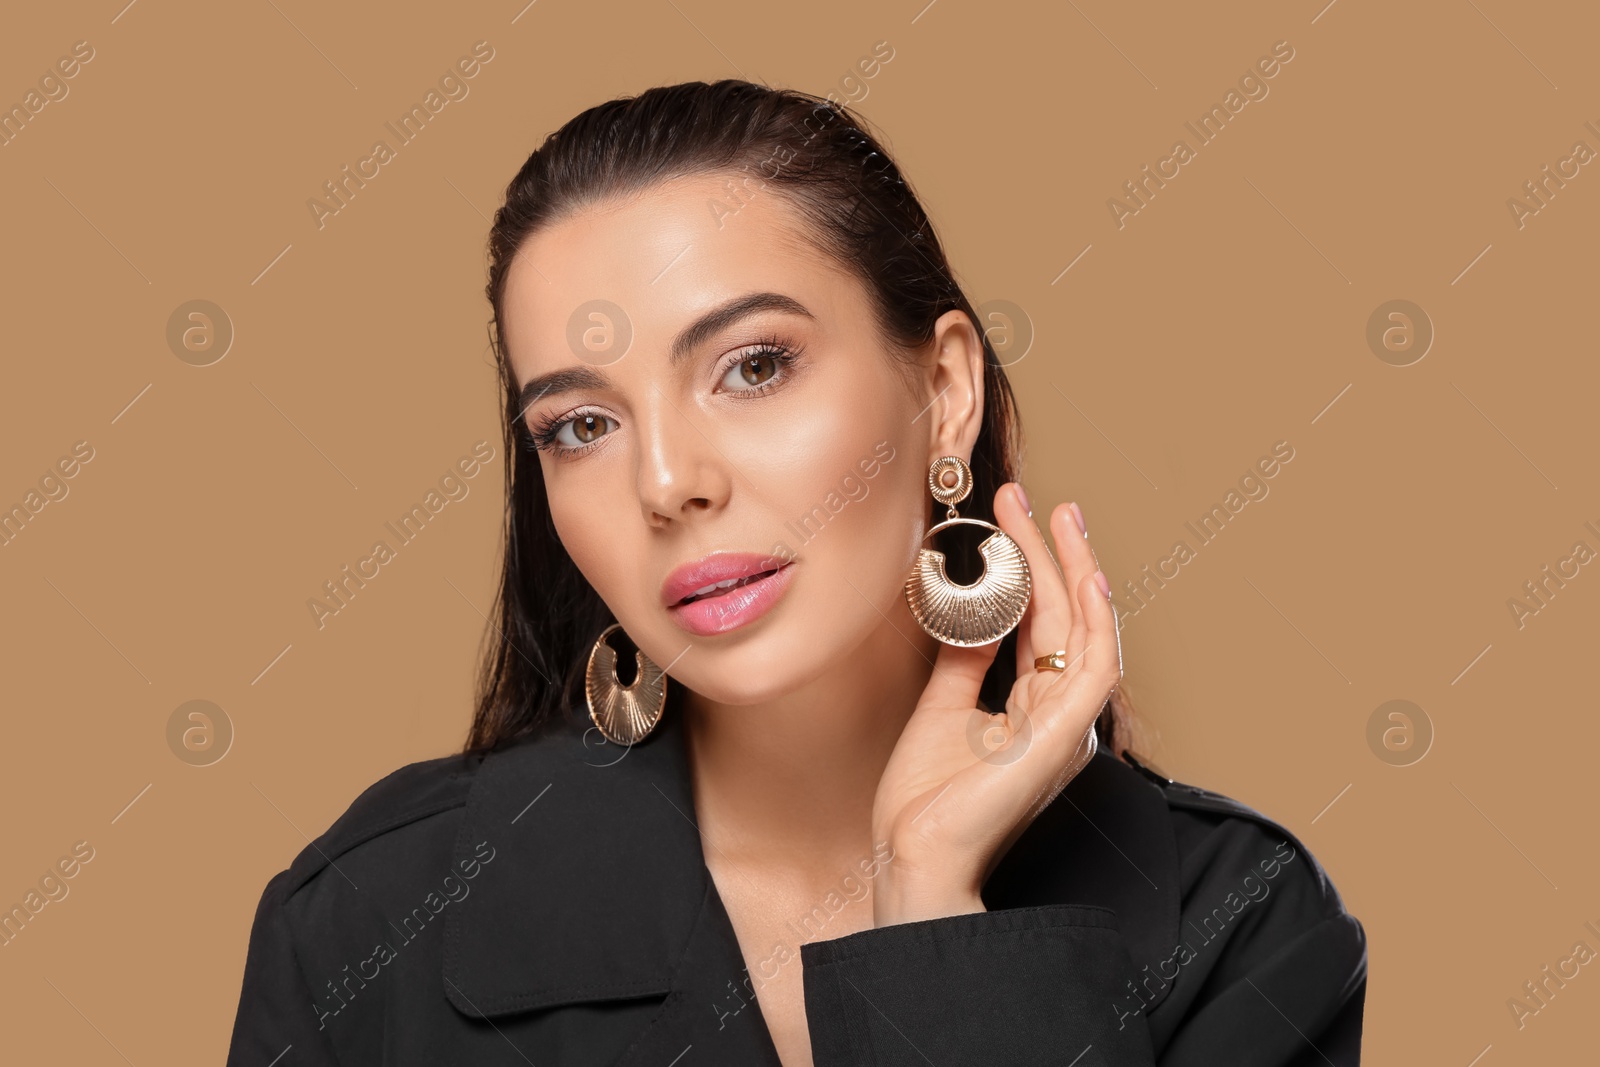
(753, 372)
(751, 369)
(587, 428)
(573, 434)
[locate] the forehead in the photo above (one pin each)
(659, 257)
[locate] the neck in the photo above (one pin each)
(791, 781)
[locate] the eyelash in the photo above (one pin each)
(541, 436)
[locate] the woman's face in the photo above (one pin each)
(676, 434)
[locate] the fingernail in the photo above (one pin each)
(1104, 583)
(1022, 495)
(1077, 513)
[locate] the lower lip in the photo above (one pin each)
(733, 608)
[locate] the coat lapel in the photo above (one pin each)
(598, 889)
(710, 1010)
(598, 879)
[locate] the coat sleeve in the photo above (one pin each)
(1281, 986)
(1024, 986)
(277, 1021)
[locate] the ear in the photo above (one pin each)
(956, 398)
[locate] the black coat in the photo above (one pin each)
(550, 905)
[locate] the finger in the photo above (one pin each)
(1025, 641)
(958, 673)
(1073, 550)
(1077, 561)
(1050, 604)
(1101, 662)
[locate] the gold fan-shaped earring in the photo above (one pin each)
(990, 607)
(625, 714)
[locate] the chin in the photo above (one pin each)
(759, 672)
(730, 692)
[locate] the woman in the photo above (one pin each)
(752, 778)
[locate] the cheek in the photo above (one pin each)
(827, 444)
(815, 455)
(819, 463)
(586, 524)
(846, 520)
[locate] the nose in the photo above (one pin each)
(681, 472)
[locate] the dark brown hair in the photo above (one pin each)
(860, 211)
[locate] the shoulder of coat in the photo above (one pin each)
(399, 799)
(1182, 795)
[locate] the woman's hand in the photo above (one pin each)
(961, 785)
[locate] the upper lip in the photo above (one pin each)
(717, 567)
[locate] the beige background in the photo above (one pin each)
(1230, 313)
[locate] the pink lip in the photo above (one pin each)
(733, 607)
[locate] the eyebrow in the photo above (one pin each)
(568, 379)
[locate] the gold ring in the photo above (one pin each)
(1055, 661)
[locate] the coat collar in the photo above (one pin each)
(599, 888)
